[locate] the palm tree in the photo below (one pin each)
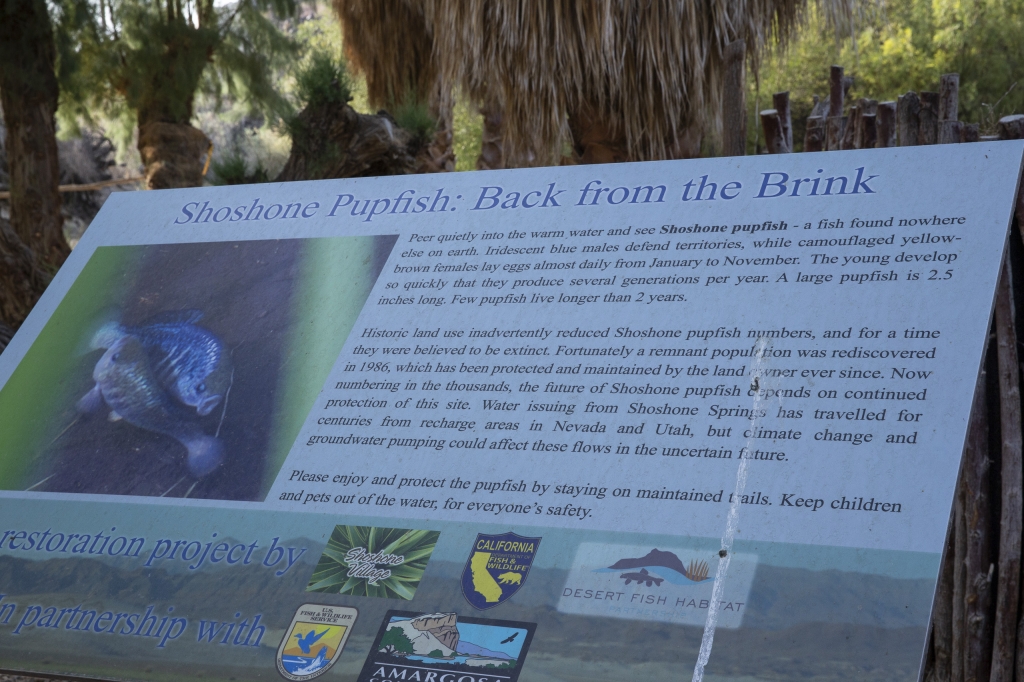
(612, 81)
(152, 56)
(28, 94)
(390, 43)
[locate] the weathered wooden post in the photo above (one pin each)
(850, 127)
(865, 107)
(928, 126)
(774, 135)
(887, 124)
(780, 100)
(734, 103)
(868, 131)
(950, 129)
(978, 619)
(835, 122)
(1011, 127)
(814, 135)
(1004, 641)
(908, 111)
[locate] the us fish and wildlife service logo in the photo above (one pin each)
(497, 568)
(314, 640)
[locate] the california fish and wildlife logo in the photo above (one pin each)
(666, 584)
(367, 561)
(497, 568)
(314, 640)
(447, 647)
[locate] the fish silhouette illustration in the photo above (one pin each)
(642, 577)
(190, 361)
(127, 385)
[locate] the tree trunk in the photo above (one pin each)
(28, 93)
(332, 140)
(492, 155)
(596, 140)
(437, 155)
(734, 103)
(22, 281)
(172, 154)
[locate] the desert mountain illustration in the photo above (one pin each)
(435, 638)
(430, 632)
(664, 565)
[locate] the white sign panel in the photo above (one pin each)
(635, 402)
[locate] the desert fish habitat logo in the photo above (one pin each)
(314, 640)
(671, 585)
(366, 561)
(445, 646)
(497, 568)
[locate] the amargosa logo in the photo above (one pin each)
(314, 640)
(446, 647)
(497, 568)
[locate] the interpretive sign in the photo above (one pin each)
(638, 421)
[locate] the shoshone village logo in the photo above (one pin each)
(430, 647)
(364, 561)
(644, 583)
(314, 640)
(497, 568)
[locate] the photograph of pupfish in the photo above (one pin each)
(183, 370)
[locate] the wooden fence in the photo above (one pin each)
(976, 632)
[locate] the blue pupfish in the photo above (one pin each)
(129, 387)
(189, 360)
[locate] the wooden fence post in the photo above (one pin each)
(780, 100)
(1004, 642)
(979, 569)
(959, 575)
(774, 134)
(949, 97)
(1011, 127)
(908, 112)
(950, 132)
(850, 127)
(942, 612)
(734, 103)
(868, 131)
(887, 124)
(814, 136)
(834, 123)
(928, 130)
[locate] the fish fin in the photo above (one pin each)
(207, 404)
(190, 316)
(114, 416)
(102, 333)
(205, 454)
(91, 401)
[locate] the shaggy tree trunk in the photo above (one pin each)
(22, 281)
(172, 154)
(492, 155)
(332, 140)
(437, 155)
(28, 92)
(596, 140)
